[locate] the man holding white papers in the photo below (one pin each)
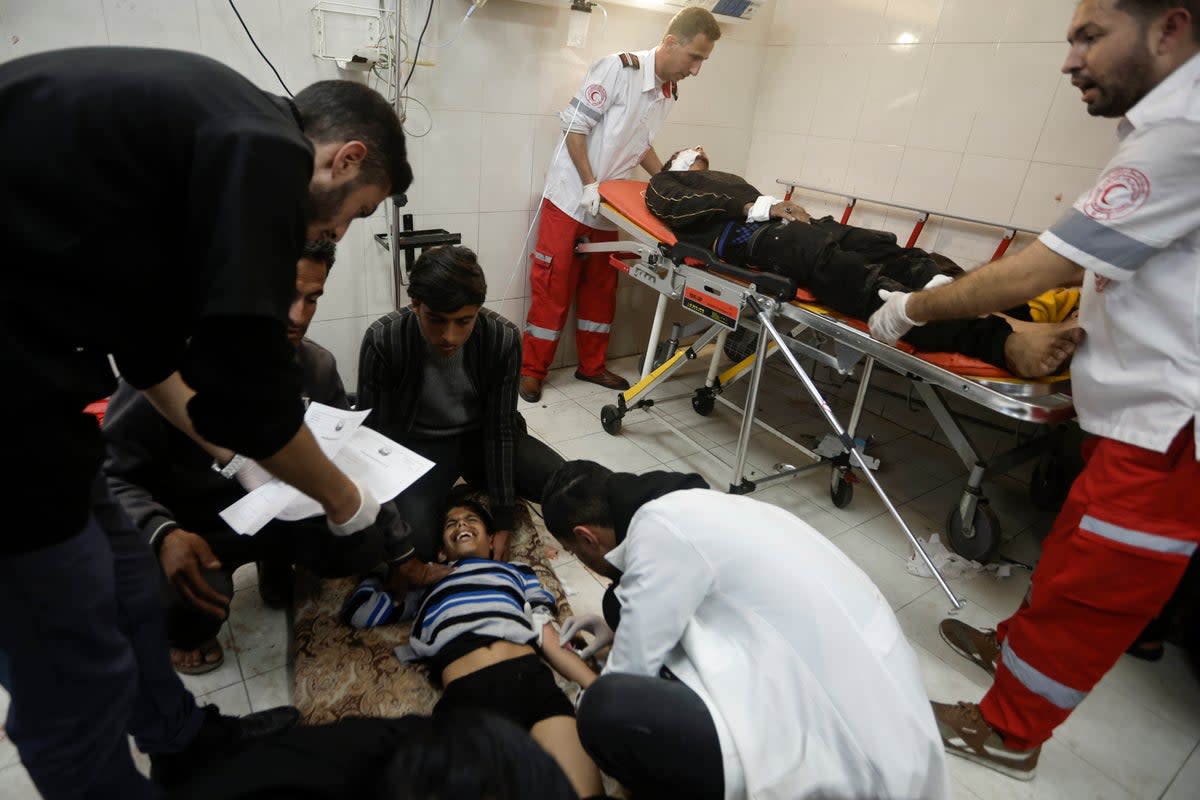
(167, 485)
(440, 377)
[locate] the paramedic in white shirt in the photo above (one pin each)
(1124, 536)
(609, 125)
(787, 674)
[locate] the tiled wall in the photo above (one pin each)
(947, 105)
(482, 128)
(971, 117)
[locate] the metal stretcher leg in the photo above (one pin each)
(660, 312)
(768, 328)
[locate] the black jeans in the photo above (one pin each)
(421, 505)
(845, 267)
(308, 543)
(654, 735)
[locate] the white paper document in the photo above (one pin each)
(375, 461)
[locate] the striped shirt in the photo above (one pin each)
(480, 602)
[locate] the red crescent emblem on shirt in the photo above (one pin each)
(1120, 192)
(595, 95)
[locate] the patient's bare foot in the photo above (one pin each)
(1037, 349)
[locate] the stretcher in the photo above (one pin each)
(729, 297)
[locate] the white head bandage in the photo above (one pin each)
(683, 162)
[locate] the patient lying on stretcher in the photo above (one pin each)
(845, 267)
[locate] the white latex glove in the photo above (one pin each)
(938, 280)
(252, 475)
(368, 510)
(591, 198)
(890, 321)
(602, 635)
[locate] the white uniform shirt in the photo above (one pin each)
(620, 109)
(1136, 376)
(812, 686)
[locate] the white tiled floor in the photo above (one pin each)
(1136, 735)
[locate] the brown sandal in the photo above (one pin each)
(207, 648)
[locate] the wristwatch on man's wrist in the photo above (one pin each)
(232, 468)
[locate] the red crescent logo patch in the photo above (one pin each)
(595, 95)
(1120, 192)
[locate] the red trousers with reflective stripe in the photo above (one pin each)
(557, 276)
(1110, 563)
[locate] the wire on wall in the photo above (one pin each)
(417, 49)
(259, 49)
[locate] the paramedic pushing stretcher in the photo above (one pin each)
(843, 266)
(158, 208)
(1124, 536)
(609, 128)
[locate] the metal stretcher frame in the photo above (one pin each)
(971, 525)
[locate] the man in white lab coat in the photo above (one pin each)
(787, 674)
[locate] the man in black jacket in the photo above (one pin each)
(440, 377)
(201, 189)
(845, 267)
(166, 484)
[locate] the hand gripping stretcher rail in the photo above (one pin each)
(723, 294)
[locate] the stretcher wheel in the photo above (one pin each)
(610, 419)
(982, 545)
(1048, 485)
(703, 403)
(841, 491)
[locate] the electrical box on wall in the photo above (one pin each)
(347, 34)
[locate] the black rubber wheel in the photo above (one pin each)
(610, 418)
(703, 403)
(983, 545)
(1048, 486)
(842, 493)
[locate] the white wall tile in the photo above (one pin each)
(873, 169)
(788, 89)
(910, 21)
(967, 243)
(843, 84)
(799, 22)
(450, 158)
(222, 37)
(1037, 21)
(505, 162)
(722, 93)
(1015, 100)
(1071, 136)
(727, 147)
(826, 162)
(926, 178)
(857, 22)
(134, 23)
(945, 110)
(897, 72)
(986, 188)
(776, 155)
(971, 21)
(502, 253)
(1048, 193)
(28, 27)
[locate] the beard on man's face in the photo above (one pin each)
(1122, 92)
(322, 205)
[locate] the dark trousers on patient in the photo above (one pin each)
(307, 543)
(422, 504)
(81, 628)
(845, 267)
(654, 735)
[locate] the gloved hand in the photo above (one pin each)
(938, 280)
(602, 635)
(890, 321)
(591, 198)
(368, 510)
(252, 475)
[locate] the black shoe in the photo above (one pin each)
(609, 380)
(275, 584)
(530, 389)
(220, 737)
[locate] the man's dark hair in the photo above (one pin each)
(344, 111)
(576, 494)
(1145, 11)
(466, 755)
(691, 22)
(321, 251)
(447, 278)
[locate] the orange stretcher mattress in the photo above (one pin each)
(628, 198)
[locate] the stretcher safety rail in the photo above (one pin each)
(723, 293)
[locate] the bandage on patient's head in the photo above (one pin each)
(683, 160)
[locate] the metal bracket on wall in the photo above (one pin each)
(409, 242)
